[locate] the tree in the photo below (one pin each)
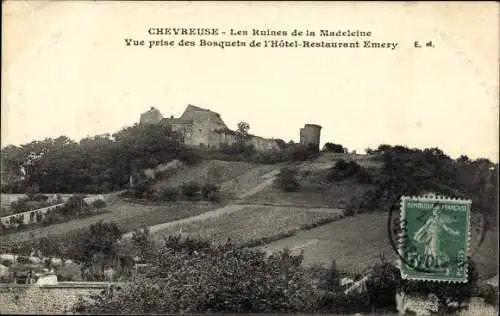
(281, 143)
(333, 148)
(382, 148)
(287, 180)
(98, 247)
(243, 128)
(242, 133)
(143, 245)
(96, 164)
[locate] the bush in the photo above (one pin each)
(19, 206)
(191, 189)
(190, 157)
(140, 189)
(343, 170)
(40, 198)
(351, 209)
(32, 191)
(69, 272)
(267, 157)
(170, 194)
(53, 217)
(340, 303)
(239, 281)
(459, 292)
(333, 148)
(287, 180)
(210, 192)
(105, 187)
(97, 204)
(383, 284)
(74, 205)
(363, 176)
(488, 292)
(187, 244)
(301, 153)
(330, 281)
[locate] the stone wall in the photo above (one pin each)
(217, 139)
(27, 217)
(8, 198)
(185, 129)
(48, 299)
(263, 144)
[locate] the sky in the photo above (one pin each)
(67, 71)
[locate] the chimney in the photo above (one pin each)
(171, 116)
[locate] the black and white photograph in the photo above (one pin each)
(191, 157)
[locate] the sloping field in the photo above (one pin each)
(214, 171)
(250, 181)
(128, 216)
(250, 223)
(337, 195)
(356, 242)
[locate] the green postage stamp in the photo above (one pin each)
(434, 242)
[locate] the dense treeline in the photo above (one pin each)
(413, 171)
(97, 164)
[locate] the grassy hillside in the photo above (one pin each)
(357, 241)
(336, 195)
(209, 171)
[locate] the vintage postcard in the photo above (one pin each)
(162, 157)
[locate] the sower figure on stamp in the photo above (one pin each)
(428, 234)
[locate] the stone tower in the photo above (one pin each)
(153, 116)
(310, 135)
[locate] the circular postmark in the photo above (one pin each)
(409, 250)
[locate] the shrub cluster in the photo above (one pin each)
(334, 148)
(192, 277)
(191, 190)
(343, 170)
(287, 179)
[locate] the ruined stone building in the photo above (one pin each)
(204, 128)
(310, 135)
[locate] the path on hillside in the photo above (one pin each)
(268, 180)
(228, 209)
